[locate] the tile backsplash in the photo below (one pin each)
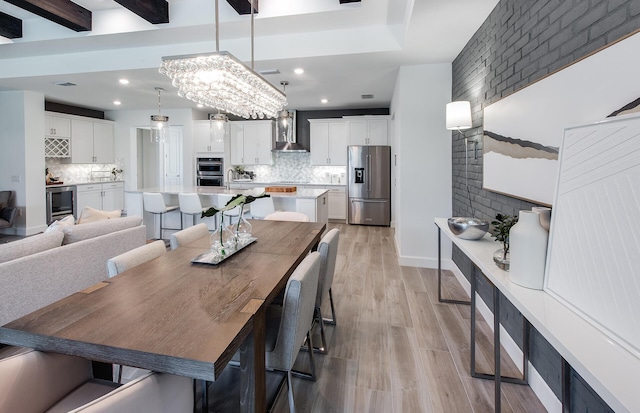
(296, 167)
(80, 172)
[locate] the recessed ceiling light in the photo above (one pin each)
(298, 71)
(324, 100)
(117, 102)
(269, 72)
(124, 81)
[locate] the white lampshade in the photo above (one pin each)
(459, 115)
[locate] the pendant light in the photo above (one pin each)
(217, 127)
(159, 123)
(221, 81)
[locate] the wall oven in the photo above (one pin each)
(210, 171)
(61, 201)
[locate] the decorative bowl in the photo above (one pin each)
(468, 228)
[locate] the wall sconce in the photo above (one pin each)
(459, 118)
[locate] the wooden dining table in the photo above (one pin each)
(173, 316)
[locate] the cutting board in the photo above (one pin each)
(280, 189)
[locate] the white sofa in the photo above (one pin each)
(45, 268)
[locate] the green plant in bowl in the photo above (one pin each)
(500, 228)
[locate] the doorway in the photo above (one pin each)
(159, 165)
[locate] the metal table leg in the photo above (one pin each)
(440, 299)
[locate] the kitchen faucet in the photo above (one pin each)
(229, 179)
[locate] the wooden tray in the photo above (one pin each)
(280, 189)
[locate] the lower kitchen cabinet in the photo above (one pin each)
(337, 203)
(102, 196)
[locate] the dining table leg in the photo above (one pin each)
(253, 388)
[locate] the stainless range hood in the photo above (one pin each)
(285, 134)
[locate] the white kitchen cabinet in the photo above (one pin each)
(337, 202)
(368, 130)
(251, 142)
(316, 209)
(92, 142)
(103, 196)
(202, 138)
(329, 141)
(57, 126)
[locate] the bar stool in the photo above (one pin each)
(154, 203)
(232, 214)
(190, 205)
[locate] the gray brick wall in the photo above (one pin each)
(519, 43)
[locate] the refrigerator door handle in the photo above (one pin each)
(369, 201)
(369, 173)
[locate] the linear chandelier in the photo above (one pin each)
(221, 81)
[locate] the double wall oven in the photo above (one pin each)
(210, 171)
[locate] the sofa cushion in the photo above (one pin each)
(30, 245)
(59, 225)
(82, 232)
(92, 215)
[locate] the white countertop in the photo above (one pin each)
(215, 190)
(609, 368)
(73, 183)
(281, 183)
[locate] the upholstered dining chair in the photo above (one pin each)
(328, 249)
(287, 216)
(288, 325)
(154, 203)
(188, 235)
(137, 256)
(34, 382)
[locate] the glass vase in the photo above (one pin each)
(243, 231)
(222, 240)
(501, 259)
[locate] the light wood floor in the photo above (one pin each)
(395, 348)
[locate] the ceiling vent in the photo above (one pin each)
(269, 72)
(64, 84)
(369, 96)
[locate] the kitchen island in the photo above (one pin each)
(311, 202)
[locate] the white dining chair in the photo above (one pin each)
(287, 216)
(34, 382)
(154, 203)
(188, 235)
(136, 256)
(328, 249)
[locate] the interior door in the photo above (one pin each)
(173, 157)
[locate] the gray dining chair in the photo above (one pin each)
(34, 382)
(137, 256)
(287, 326)
(154, 203)
(328, 249)
(188, 235)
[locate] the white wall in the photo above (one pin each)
(423, 172)
(22, 162)
(126, 123)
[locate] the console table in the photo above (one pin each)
(607, 367)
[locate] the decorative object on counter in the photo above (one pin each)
(528, 241)
(221, 81)
(545, 216)
(241, 174)
(115, 172)
(50, 179)
(500, 231)
(468, 228)
(159, 123)
(281, 189)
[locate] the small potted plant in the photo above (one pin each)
(114, 173)
(500, 228)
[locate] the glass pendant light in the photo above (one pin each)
(159, 123)
(217, 127)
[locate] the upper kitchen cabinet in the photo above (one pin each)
(203, 140)
(368, 130)
(92, 141)
(57, 126)
(329, 141)
(251, 142)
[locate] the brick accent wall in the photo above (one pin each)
(519, 43)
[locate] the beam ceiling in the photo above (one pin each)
(153, 11)
(243, 6)
(10, 27)
(63, 12)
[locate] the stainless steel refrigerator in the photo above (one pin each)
(369, 173)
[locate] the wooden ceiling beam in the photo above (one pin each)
(64, 12)
(10, 27)
(349, 1)
(153, 11)
(243, 6)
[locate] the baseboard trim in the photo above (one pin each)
(536, 382)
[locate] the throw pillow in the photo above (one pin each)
(69, 220)
(92, 215)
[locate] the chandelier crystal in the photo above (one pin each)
(221, 81)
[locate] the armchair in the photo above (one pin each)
(8, 213)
